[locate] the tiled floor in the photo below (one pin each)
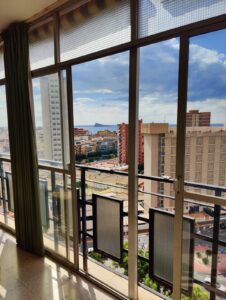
(24, 276)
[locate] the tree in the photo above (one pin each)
(208, 253)
(150, 283)
(197, 294)
(205, 260)
(98, 257)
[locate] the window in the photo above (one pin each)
(94, 27)
(199, 141)
(158, 16)
(211, 149)
(52, 129)
(4, 135)
(199, 149)
(212, 140)
(41, 45)
(199, 158)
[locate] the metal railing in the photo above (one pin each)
(84, 202)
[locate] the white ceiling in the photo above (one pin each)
(19, 10)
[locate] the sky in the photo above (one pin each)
(101, 87)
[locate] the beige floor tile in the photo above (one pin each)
(24, 276)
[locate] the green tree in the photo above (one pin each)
(208, 253)
(98, 257)
(205, 260)
(150, 283)
(197, 294)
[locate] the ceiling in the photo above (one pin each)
(19, 10)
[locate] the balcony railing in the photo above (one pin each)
(209, 234)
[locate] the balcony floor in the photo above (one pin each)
(24, 276)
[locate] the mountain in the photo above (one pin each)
(99, 125)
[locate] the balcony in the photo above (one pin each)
(207, 261)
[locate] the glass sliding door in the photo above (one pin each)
(100, 104)
(157, 134)
(52, 138)
(6, 187)
(205, 161)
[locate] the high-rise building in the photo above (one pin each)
(123, 134)
(205, 158)
(55, 133)
(80, 131)
(196, 118)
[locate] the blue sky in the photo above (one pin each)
(100, 87)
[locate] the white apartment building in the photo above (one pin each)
(205, 159)
(55, 132)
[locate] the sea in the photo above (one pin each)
(94, 129)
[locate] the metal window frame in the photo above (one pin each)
(180, 160)
(184, 32)
(95, 221)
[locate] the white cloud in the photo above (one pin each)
(111, 113)
(83, 101)
(98, 91)
(158, 107)
(115, 59)
(203, 56)
(173, 43)
(217, 107)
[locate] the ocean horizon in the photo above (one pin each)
(94, 129)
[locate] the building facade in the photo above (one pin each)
(54, 119)
(123, 134)
(196, 118)
(205, 159)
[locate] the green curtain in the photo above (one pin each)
(22, 140)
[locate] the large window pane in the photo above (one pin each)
(51, 118)
(4, 135)
(100, 90)
(157, 16)
(41, 45)
(205, 134)
(95, 26)
(205, 167)
(157, 130)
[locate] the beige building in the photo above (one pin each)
(205, 159)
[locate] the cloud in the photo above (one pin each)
(94, 91)
(110, 113)
(158, 108)
(204, 57)
(101, 87)
(114, 59)
(216, 106)
(84, 100)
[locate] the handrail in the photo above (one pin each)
(58, 167)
